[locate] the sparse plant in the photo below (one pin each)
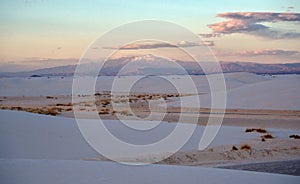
(245, 147)
(97, 94)
(69, 109)
(258, 130)
(234, 148)
(51, 112)
(294, 136)
(267, 136)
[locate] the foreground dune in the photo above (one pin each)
(31, 136)
(69, 171)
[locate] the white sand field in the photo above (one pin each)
(45, 149)
(50, 149)
(244, 90)
(93, 172)
(279, 93)
(27, 135)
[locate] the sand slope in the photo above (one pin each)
(278, 93)
(62, 172)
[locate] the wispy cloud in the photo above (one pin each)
(209, 35)
(269, 52)
(290, 8)
(261, 52)
(252, 23)
(151, 45)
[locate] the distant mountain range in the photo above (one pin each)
(154, 65)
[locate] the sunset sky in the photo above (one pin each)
(44, 33)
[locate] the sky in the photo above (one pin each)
(45, 33)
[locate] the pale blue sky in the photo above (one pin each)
(36, 28)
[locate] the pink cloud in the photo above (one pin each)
(251, 23)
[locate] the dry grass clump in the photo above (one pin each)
(4, 108)
(124, 113)
(132, 100)
(267, 136)
(58, 109)
(68, 104)
(17, 108)
(104, 111)
(105, 102)
(51, 97)
(258, 130)
(69, 109)
(165, 97)
(294, 136)
(49, 111)
(245, 147)
(97, 94)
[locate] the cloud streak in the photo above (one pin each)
(269, 52)
(137, 46)
(252, 23)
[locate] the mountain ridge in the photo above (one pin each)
(156, 65)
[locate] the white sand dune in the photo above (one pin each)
(280, 93)
(63, 86)
(26, 135)
(43, 149)
(244, 90)
(95, 172)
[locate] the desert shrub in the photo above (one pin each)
(68, 109)
(61, 104)
(294, 136)
(104, 111)
(105, 102)
(258, 130)
(245, 147)
(88, 104)
(97, 94)
(234, 148)
(51, 112)
(267, 136)
(165, 97)
(57, 109)
(125, 113)
(17, 108)
(249, 130)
